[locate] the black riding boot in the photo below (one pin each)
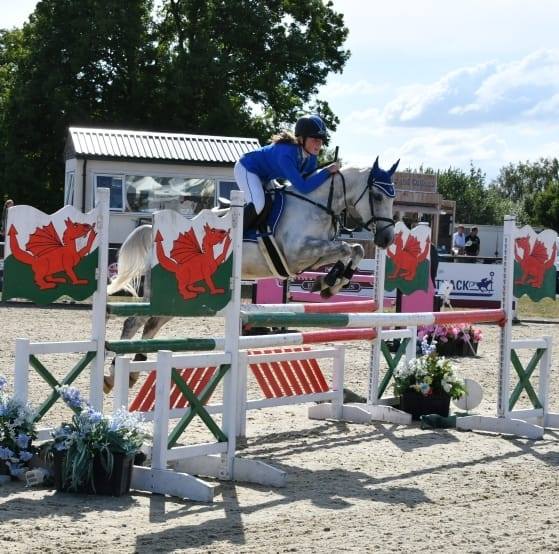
(249, 216)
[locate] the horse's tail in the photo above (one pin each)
(133, 261)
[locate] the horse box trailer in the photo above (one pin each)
(149, 171)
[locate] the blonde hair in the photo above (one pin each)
(284, 137)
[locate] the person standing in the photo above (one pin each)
(459, 241)
(472, 245)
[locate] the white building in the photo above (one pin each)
(149, 171)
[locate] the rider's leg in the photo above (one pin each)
(251, 185)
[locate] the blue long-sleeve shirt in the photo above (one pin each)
(285, 161)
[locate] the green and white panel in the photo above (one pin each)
(49, 256)
(534, 263)
(408, 259)
(192, 263)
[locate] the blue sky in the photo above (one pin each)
(439, 83)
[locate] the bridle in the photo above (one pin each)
(339, 220)
(369, 187)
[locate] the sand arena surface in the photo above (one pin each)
(351, 488)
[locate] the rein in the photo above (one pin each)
(339, 220)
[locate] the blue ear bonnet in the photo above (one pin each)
(382, 180)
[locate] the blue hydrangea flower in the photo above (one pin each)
(22, 440)
(25, 456)
(5, 453)
(71, 395)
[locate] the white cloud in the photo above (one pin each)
(520, 90)
(338, 88)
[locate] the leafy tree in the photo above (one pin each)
(523, 185)
(474, 203)
(246, 67)
(515, 181)
(86, 62)
(210, 66)
(11, 52)
(546, 207)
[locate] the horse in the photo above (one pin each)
(307, 235)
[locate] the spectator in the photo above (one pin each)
(459, 241)
(472, 243)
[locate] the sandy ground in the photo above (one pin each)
(351, 488)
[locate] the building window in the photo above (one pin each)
(224, 190)
(188, 196)
(114, 183)
(69, 188)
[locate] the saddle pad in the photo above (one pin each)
(278, 204)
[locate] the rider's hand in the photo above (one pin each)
(333, 167)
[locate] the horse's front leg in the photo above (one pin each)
(346, 258)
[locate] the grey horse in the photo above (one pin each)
(306, 234)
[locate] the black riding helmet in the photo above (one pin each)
(311, 126)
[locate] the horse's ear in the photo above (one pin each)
(393, 168)
(375, 165)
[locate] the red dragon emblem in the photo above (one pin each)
(48, 255)
(407, 256)
(534, 261)
(191, 263)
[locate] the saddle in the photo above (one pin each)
(263, 229)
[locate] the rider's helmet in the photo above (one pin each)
(311, 126)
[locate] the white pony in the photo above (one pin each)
(307, 235)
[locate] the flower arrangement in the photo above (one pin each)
(92, 438)
(428, 375)
(464, 332)
(17, 433)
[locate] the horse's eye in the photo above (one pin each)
(377, 196)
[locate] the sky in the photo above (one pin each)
(438, 83)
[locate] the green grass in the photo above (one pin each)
(545, 309)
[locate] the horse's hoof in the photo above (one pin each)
(108, 384)
(326, 293)
(133, 379)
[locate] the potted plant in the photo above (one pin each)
(427, 383)
(17, 433)
(95, 453)
(457, 339)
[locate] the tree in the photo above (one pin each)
(85, 62)
(546, 207)
(474, 202)
(515, 181)
(523, 184)
(208, 66)
(246, 67)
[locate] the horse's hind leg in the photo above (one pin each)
(151, 328)
(129, 329)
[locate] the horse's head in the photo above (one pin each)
(373, 195)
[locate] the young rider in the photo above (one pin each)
(289, 156)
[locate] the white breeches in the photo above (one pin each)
(251, 185)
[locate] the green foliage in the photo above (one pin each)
(473, 202)
(524, 186)
(91, 434)
(17, 433)
(428, 374)
(546, 207)
(241, 68)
